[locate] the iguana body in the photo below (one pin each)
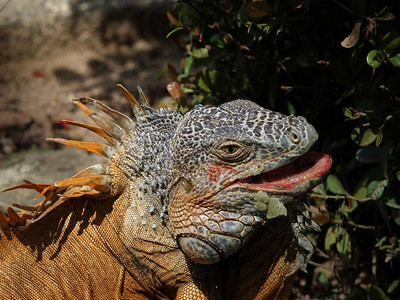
(187, 207)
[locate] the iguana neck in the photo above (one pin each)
(142, 159)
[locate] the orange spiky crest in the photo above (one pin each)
(93, 181)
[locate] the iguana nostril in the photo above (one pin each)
(295, 136)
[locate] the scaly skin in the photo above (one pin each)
(201, 206)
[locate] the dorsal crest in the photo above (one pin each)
(93, 182)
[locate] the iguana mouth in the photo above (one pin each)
(312, 166)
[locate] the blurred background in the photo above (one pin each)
(54, 51)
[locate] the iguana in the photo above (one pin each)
(205, 205)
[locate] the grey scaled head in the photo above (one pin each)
(211, 149)
(206, 135)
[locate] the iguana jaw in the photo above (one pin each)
(294, 178)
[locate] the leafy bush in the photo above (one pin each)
(336, 63)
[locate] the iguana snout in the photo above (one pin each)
(237, 166)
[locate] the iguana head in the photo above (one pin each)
(234, 167)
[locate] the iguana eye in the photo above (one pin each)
(232, 151)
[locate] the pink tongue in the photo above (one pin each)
(310, 165)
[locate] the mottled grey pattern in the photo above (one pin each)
(187, 164)
(269, 135)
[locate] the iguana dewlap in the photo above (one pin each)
(205, 205)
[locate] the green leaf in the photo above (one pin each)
(379, 137)
(216, 40)
(334, 185)
(361, 187)
(242, 14)
(323, 280)
(330, 239)
(395, 60)
(380, 242)
(385, 15)
(361, 192)
(319, 189)
(397, 220)
(375, 58)
(391, 202)
(291, 108)
(347, 112)
(391, 41)
(363, 135)
(204, 82)
(376, 188)
(200, 53)
(189, 17)
(258, 9)
(173, 31)
(186, 68)
(376, 293)
(343, 245)
(368, 155)
(348, 209)
(372, 154)
(393, 286)
(213, 81)
(398, 175)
